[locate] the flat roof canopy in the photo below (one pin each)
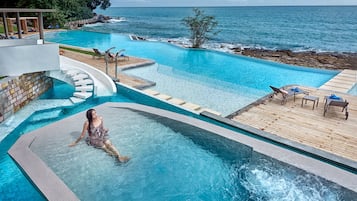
(24, 10)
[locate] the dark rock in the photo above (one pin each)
(328, 60)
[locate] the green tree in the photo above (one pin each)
(93, 4)
(200, 26)
(67, 10)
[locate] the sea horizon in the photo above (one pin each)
(232, 6)
(297, 28)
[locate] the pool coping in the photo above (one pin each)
(53, 187)
(48, 183)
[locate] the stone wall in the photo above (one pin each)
(16, 92)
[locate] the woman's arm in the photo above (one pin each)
(84, 130)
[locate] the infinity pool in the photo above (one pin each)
(204, 77)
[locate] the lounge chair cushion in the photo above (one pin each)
(296, 89)
(333, 96)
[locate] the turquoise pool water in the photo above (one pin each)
(194, 75)
(171, 160)
(60, 90)
(13, 184)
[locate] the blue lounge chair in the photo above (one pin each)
(97, 53)
(287, 93)
(336, 101)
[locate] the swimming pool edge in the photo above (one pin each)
(47, 182)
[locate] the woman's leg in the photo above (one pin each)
(106, 149)
(109, 146)
(115, 152)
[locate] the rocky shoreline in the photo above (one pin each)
(326, 60)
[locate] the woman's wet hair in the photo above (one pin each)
(89, 117)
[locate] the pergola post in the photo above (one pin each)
(18, 23)
(8, 22)
(40, 24)
(4, 22)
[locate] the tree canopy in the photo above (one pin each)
(67, 10)
(201, 26)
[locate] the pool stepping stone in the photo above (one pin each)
(163, 96)
(211, 111)
(151, 92)
(177, 101)
(191, 106)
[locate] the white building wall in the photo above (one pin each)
(20, 56)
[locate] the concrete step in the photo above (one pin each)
(76, 100)
(163, 96)
(211, 111)
(191, 106)
(84, 88)
(176, 101)
(83, 82)
(43, 116)
(72, 72)
(83, 95)
(151, 92)
(80, 76)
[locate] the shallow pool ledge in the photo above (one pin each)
(51, 186)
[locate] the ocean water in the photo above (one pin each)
(298, 28)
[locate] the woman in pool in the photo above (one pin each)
(98, 135)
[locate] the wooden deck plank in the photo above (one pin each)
(331, 133)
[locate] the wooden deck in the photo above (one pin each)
(330, 133)
(342, 82)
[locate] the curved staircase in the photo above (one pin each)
(82, 82)
(83, 85)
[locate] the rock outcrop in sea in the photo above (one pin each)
(327, 60)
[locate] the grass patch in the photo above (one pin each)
(77, 50)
